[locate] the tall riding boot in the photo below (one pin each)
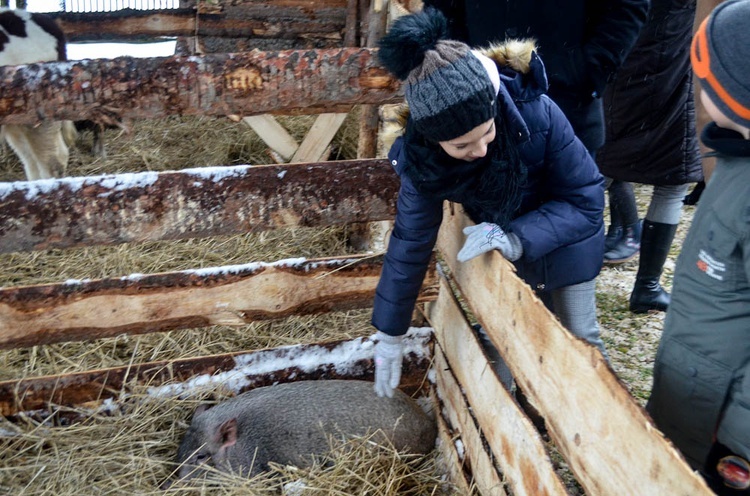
(648, 294)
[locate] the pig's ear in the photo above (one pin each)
(199, 411)
(228, 433)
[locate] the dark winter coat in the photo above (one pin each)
(582, 43)
(701, 390)
(649, 108)
(559, 222)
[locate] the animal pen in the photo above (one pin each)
(487, 444)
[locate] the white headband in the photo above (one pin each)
(491, 69)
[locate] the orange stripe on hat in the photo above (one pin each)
(701, 61)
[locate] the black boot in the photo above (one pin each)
(614, 234)
(648, 294)
(626, 247)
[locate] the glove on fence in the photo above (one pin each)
(487, 236)
(389, 352)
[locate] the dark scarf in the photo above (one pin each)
(489, 188)
(724, 141)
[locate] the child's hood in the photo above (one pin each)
(521, 71)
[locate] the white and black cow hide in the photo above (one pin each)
(27, 38)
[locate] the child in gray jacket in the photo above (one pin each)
(701, 393)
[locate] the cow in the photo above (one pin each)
(27, 38)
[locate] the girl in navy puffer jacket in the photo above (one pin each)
(482, 132)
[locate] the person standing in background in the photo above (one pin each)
(651, 138)
(701, 393)
(582, 44)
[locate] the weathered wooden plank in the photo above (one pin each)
(221, 84)
(318, 138)
(232, 295)
(517, 447)
(269, 19)
(273, 134)
(451, 462)
(484, 474)
(150, 206)
(377, 16)
(608, 440)
(347, 359)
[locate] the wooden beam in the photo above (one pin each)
(369, 118)
(607, 439)
(313, 147)
(475, 458)
(517, 447)
(194, 203)
(273, 134)
(326, 20)
(53, 396)
(232, 295)
(451, 461)
(247, 83)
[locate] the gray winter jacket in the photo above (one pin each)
(702, 370)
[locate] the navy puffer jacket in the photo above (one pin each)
(559, 222)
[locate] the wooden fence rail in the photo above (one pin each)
(64, 397)
(231, 295)
(258, 20)
(237, 84)
(608, 440)
(151, 206)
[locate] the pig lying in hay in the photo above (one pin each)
(291, 423)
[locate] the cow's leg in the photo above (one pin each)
(42, 149)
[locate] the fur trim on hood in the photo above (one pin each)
(514, 54)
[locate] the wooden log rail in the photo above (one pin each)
(322, 20)
(608, 440)
(65, 397)
(231, 295)
(237, 84)
(150, 206)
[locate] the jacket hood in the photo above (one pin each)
(521, 72)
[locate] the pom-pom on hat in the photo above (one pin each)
(448, 90)
(721, 59)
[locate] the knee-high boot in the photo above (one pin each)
(656, 239)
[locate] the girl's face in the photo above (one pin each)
(472, 145)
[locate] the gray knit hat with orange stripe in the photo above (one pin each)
(721, 59)
(447, 87)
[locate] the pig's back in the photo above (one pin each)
(291, 421)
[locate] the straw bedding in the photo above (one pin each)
(128, 451)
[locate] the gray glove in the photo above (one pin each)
(389, 352)
(487, 236)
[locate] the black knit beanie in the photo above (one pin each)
(448, 90)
